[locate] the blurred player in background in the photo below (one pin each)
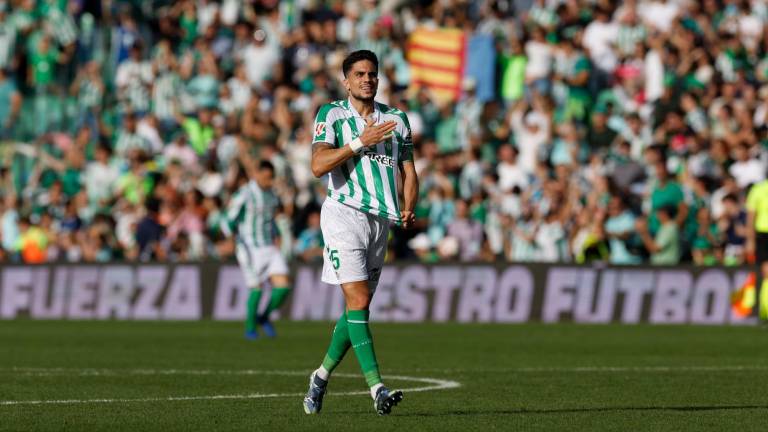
(361, 145)
(757, 239)
(250, 218)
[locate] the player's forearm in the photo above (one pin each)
(246, 160)
(325, 158)
(410, 190)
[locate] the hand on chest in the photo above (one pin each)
(384, 146)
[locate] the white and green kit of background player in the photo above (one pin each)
(355, 219)
(250, 218)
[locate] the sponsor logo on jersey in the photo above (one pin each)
(320, 129)
(379, 158)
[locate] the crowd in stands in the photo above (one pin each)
(620, 131)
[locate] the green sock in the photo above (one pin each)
(253, 309)
(339, 344)
(763, 303)
(278, 296)
(362, 342)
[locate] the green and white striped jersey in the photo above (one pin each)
(251, 215)
(368, 181)
(628, 37)
(165, 93)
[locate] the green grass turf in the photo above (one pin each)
(513, 377)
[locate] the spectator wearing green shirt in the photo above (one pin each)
(576, 76)
(446, 131)
(513, 66)
(707, 241)
(134, 185)
(42, 63)
(666, 192)
(664, 247)
(199, 130)
(43, 59)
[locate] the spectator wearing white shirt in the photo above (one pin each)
(240, 88)
(659, 14)
(654, 69)
(750, 27)
(181, 152)
(259, 58)
(531, 133)
(128, 139)
(746, 169)
(540, 56)
(509, 171)
(134, 81)
(148, 128)
(599, 38)
(550, 239)
(100, 177)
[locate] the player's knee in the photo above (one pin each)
(359, 302)
(281, 281)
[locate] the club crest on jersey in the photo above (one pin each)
(320, 129)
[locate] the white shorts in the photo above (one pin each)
(355, 244)
(259, 263)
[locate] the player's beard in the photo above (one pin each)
(366, 99)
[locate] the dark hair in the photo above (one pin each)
(105, 148)
(265, 164)
(153, 205)
(669, 210)
(357, 56)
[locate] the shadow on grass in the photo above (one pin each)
(572, 410)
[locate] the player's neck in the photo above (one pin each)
(363, 107)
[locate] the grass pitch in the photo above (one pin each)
(204, 376)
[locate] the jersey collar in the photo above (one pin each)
(376, 111)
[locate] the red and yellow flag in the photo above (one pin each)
(743, 299)
(437, 60)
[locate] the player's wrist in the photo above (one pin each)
(357, 145)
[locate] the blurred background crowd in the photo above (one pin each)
(618, 131)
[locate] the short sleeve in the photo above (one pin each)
(323, 130)
(406, 149)
(407, 136)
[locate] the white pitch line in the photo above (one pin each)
(597, 369)
(26, 371)
(644, 369)
(433, 384)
